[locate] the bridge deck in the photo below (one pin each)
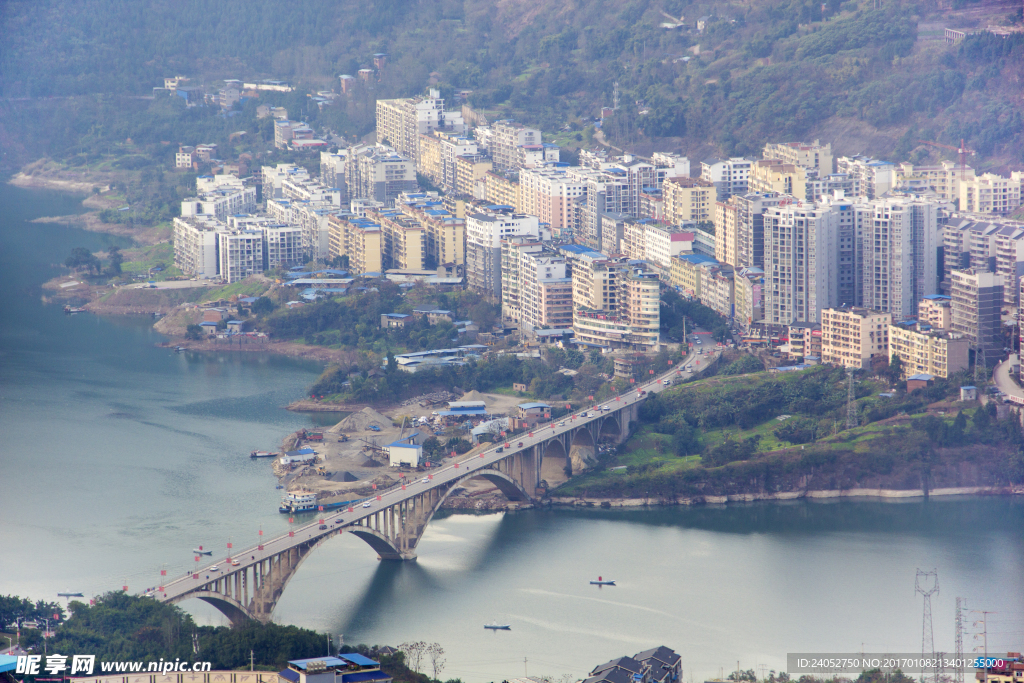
(337, 521)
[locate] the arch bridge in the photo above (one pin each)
(248, 584)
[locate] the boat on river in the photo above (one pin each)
(602, 582)
(262, 454)
(71, 309)
(200, 551)
(498, 627)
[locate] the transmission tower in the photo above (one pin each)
(961, 604)
(979, 365)
(921, 585)
(851, 406)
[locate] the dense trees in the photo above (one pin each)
(764, 71)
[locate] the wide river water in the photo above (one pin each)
(118, 457)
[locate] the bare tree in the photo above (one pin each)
(436, 654)
(413, 654)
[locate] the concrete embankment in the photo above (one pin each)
(789, 495)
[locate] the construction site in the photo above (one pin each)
(350, 460)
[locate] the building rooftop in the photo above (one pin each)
(921, 377)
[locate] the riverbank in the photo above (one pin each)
(820, 494)
(48, 175)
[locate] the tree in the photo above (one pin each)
(116, 259)
(82, 258)
(894, 373)
(436, 654)
(414, 653)
(262, 306)
(194, 332)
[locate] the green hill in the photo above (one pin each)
(763, 433)
(872, 81)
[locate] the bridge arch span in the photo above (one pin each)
(582, 449)
(386, 550)
(611, 427)
(554, 462)
(236, 613)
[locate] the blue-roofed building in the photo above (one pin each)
(345, 668)
(527, 415)
(209, 327)
(393, 320)
(8, 663)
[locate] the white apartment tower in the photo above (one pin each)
(801, 262)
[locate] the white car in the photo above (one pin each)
(561, 424)
(366, 504)
(214, 568)
(424, 480)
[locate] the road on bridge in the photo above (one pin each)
(336, 521)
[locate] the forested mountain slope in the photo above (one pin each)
(870, 80)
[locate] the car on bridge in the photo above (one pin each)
(322, 527)
(235, 563)
(366, 504)
(214, 568)
(338, 521)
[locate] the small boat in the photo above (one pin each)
(279, 486)
(180, 349)
(72, 309)
(601, 582)
(498, 627)
(70, 595)
(200, 551)
(262, 454)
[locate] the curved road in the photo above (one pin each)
(338, 520)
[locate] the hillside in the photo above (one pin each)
(75, 75)
(765, 434)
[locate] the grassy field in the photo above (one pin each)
(250, 287)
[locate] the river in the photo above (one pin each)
(119, 457)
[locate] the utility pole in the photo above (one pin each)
(252, 659)
(526, 673)
(961, 603)
(927, 633)
(984, 635)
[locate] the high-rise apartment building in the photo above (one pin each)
(689, 199)
(977, 299)
(942, 178)
(548, 192)
(900, 239)
(615, 305)
(445, 233)
(813, 155)
(195, 245)
(729, 176)
(502, 190)
(484, 233)
(240, 253)
(990, 193)
(379, 173)
(801, 262)
(506, 137)
(360, 239)
(401, 122)
(871, 178)
(535, 291)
